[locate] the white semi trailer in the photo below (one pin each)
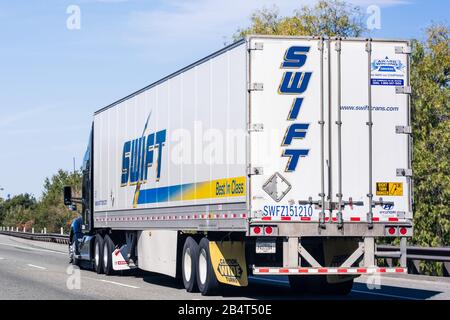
(273, 156)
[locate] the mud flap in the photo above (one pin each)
(228, 261)
(119, 262)
(335, 252)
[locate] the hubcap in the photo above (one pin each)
(97, 254)
(105, 255)
(72, 250)
(202, 266)
(187, 262)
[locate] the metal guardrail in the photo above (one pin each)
(416, 254)
(47, 237)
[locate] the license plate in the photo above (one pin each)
(265, 246)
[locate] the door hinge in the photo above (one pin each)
(403, 130)
(256, 127)
(404, 172)
(256, 46)
(255, 86)
(338, 45)
(320, 45)
(403, 90)
(403, 50)
(255, 171)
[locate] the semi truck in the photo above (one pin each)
(274, 156)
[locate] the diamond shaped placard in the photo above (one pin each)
(277, 187)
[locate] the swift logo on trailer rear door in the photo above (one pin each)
(294, 83)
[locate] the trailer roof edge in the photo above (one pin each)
(218, 52)
(174, 74)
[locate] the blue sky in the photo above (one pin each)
(52, 79)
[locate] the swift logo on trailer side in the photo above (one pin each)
(294, 83)
(139, 155)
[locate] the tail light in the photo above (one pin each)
(257, 230)
(263, 230)
(268, 230)
(402, 231)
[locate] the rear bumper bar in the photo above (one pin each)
(325, 271)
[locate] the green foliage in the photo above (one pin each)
(327, 17)
(49, 212)
(430, 117)
(17, 211)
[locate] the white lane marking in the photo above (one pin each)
(33, 249)
(1, 258)
(115, 283)
(37, 267)
(386, 295)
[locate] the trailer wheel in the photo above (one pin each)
(98, 250)
(108, 249)
(189, 265)
(72, 250)
(206, 278)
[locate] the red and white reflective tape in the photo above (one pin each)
(339, 271)
(327, 219)
(202, 216)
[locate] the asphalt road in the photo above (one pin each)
(40, 270)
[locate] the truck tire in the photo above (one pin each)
(189, 265)
(206, 278)
(97, 253)
(108, 249)
(72, 251)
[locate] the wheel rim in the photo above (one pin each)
(105, 255)
(187, 262)
(202, 266)
(97, 254)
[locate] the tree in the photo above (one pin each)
(327, 17)
(430, 117)
(51, 211)
(16, 212)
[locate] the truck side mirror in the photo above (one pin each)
(67, 195)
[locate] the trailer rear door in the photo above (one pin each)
(313, 142)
